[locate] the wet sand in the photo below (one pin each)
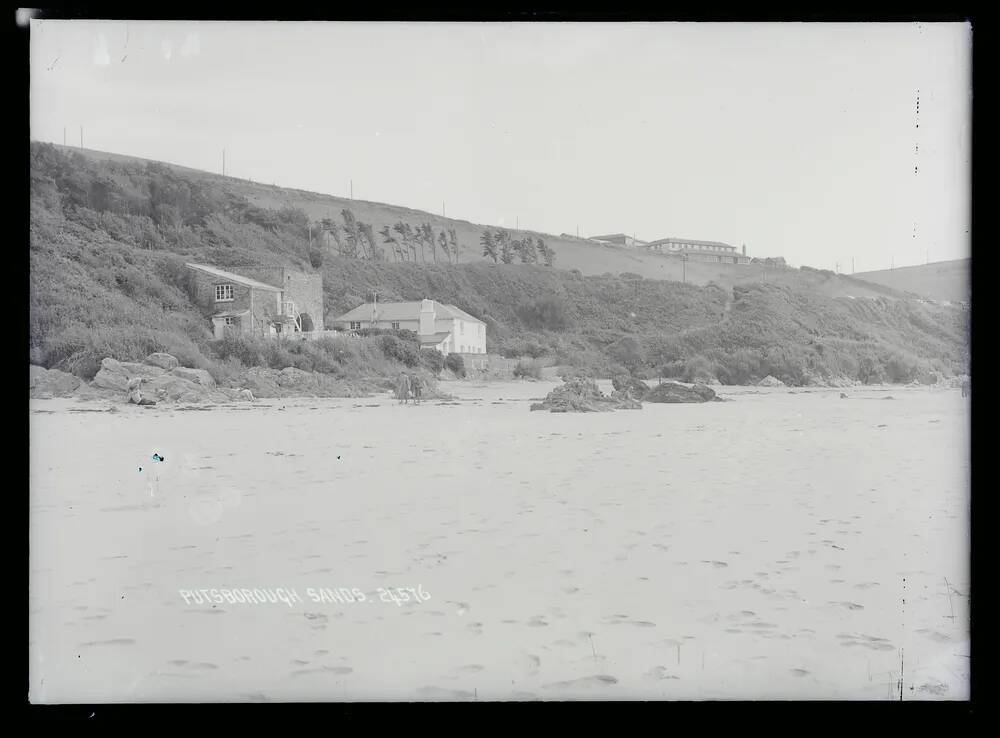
(787, 544)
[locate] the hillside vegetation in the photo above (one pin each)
(942, 280)
(109, 237)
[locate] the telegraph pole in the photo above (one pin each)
(852, 265)
(81, 137)
(442, 209)
(223, 162)
(352, 189)
(64, 135)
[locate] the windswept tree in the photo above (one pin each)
(529, 252)
(548, 255)
(389, 239)
(443, 243)
(507, 252)
(402, 242)
(490, 249)
(352, 234)
(453, 244)
(412, 238)
(427, 236)
(368, 237)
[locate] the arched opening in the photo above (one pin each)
(307, 322)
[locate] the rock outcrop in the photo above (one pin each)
(770, 381)
(162, 360)
(677, 392)
(114, 375)
(581, 395)
(626, 383)
(47, 383)
(198, 376)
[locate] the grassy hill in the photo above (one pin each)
(109, 236)
(588, 257)
(942, 280)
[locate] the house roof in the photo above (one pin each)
(613, 236)
(691, 241)
(434, 339)
(403, 311)
(230, 277)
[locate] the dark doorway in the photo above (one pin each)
(307, 322)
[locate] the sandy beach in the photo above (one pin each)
(787, 544)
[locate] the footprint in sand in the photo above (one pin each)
(531, 664)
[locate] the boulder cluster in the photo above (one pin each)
(581, 395)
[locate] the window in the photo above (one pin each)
(230, 321)
(355, 325)
(395, 326)
(223, 293)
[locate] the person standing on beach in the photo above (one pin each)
(403, 387)
(966, 386)
(418, 387)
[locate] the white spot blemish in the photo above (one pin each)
(102, 57)
(191, 46)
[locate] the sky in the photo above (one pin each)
(831, 145)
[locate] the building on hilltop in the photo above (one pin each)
(260, 301)
(443, 327)
(695, 250)
(618, 239)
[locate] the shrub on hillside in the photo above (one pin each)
(528, 370)
(432, 360)
(698, 369)
(455, 364)
(546, 313)
(398, 349)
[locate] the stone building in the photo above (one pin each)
(695, 250)
(443, 327)
(260, 301)
(618, 239)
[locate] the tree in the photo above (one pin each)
(506, 247)
(352, 234)
(489, 246)
(547, 253)
(412, 238)
(368, 238)
(529, 252)
(443, 243)
(388, 238)
(401, 247)
(427, 235)
(453, 244)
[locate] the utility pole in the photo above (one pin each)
(852, 265)
(64, 135)
(684, 267)
(442, 209)
(352, 189)
(223, 162)
(81, 137)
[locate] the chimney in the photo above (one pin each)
(427, 318)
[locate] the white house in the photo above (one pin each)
(443, 327)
